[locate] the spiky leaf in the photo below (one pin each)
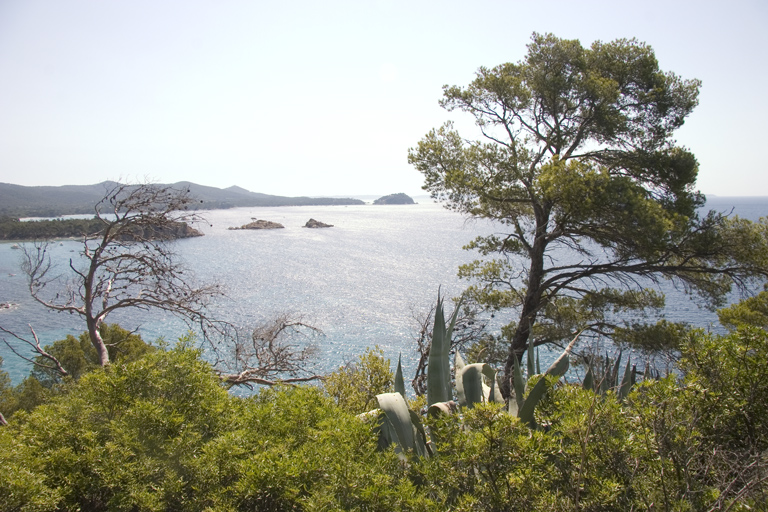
(442, 408)
(399, 382)
(589, 378)
(615, 372)
(531, 367)
(438, 369)
(398, 418)
(518, 382)
(458, 362)
(494, 393)
(626, 382)
(469, 385)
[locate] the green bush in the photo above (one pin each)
(162, 433)
(78, 357)
(354, 387)
(119, 438)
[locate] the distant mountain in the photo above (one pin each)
(400, 198)
(21, 201)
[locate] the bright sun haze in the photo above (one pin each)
(325, 98)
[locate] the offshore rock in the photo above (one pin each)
(169, 231)
(395, 199)
(312, 223)
(261, 224)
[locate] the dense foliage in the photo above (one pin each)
(14, 229)
(160, 432)
(575, 160)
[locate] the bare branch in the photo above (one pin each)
(38, 349)
(279, 350)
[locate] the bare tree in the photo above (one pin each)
(279, 350)
(128, 263)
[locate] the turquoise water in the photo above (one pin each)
(361, 282)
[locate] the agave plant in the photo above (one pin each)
(399, 426)
(475, 383)
(439, 387)
(523, 405)
(602, 380)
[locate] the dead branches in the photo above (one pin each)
(279, 350)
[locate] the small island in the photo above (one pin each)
(312, 223)
(395, 199)
(261, 224)
(13, 228)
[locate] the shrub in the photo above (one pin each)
(354, 387)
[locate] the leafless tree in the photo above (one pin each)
(280, 349)
(128, 263)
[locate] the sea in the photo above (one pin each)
(362, 283)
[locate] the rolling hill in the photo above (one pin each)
(45, 201)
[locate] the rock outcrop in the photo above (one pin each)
(261, 224)
(312, 223)
(169, 231)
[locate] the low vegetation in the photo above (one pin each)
(14, 229)
(157, 430)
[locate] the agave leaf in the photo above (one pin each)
(387, 434)
(458, 362)
(398, 415)
(421, 447)
(615, 372)
(530, 358)
(626, 382)
(469, 385)
(538, 366)
(558, 369)
(525, 413)
(383, 428)
(560, 366)
(454, 316)
(589, 378)
(513, 407)
(438, 369)
(518, 382)
(605, 384)
(442, 408)
(399, 382)
(494, 393)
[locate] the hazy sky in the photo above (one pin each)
(325, 97)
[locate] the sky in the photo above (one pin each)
(325, 98)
